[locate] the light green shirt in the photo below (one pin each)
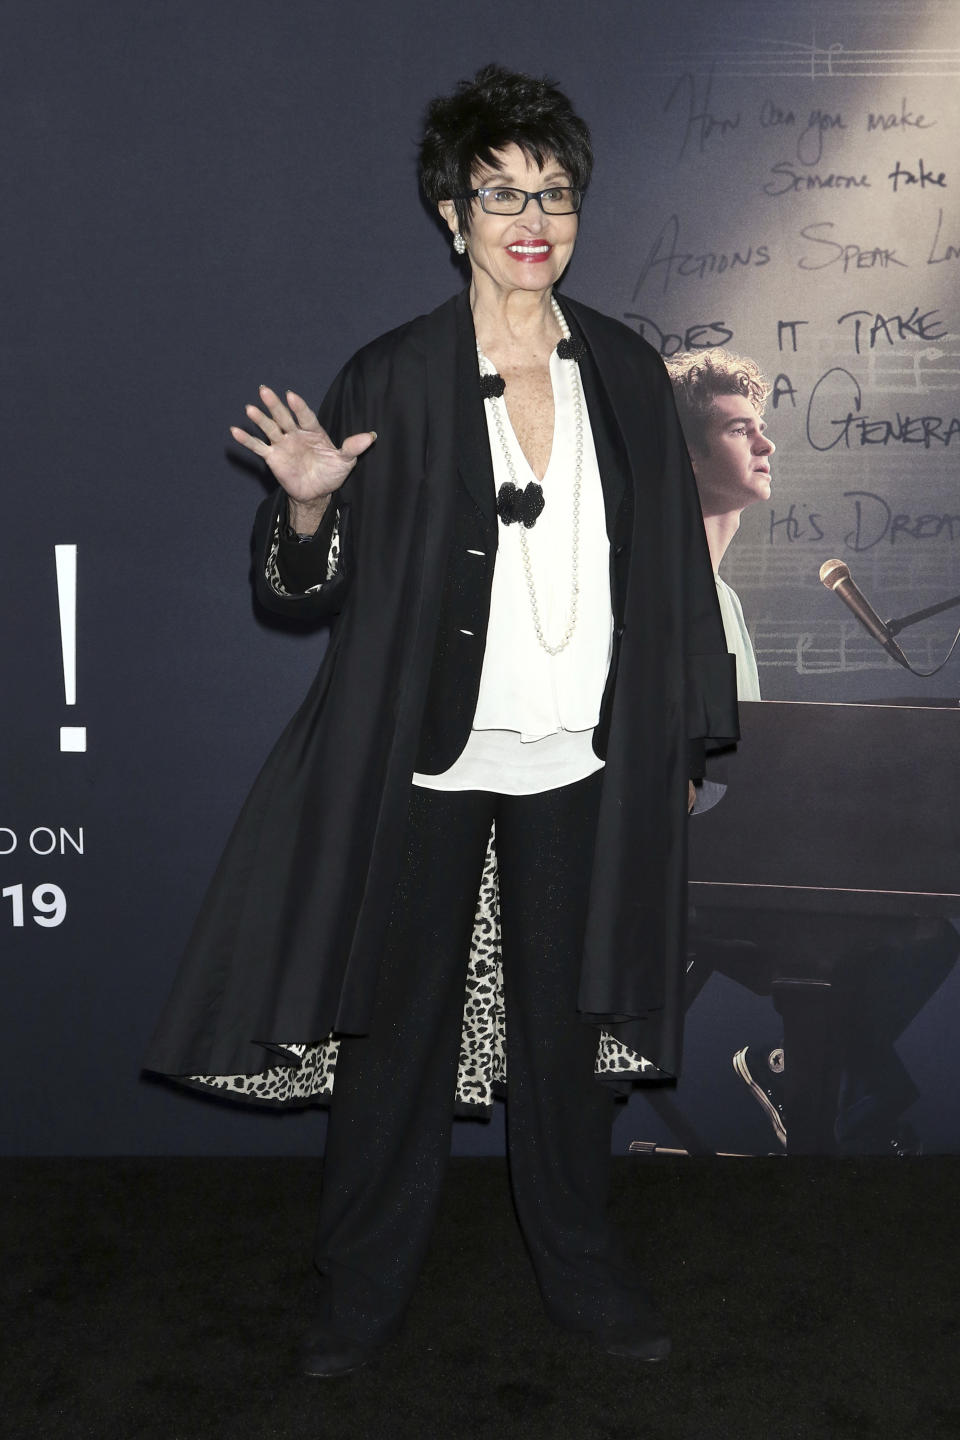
(738, 641)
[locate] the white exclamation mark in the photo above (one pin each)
(72, 737)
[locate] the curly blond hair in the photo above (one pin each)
(699, 376)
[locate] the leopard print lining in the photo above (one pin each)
(272, 572)
(307, 1074)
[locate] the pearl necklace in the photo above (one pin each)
(498, 410)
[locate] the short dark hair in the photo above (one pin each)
(699, 376)
(484, 115)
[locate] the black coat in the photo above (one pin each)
(287, 944)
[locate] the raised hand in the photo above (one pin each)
(299, 452)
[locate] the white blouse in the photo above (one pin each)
(533, 726)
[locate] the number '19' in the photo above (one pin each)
(48, 901)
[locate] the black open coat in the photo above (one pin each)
(287, 944)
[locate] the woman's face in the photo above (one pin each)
(529, 251)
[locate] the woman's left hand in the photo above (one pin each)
(691, 796)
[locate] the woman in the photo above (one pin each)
(494, 506)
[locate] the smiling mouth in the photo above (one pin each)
(530, 250)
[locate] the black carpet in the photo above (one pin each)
(162, 1299)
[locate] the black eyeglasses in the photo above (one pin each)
(506, 200)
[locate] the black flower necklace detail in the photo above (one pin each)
(514, 504)
(525, 505)
(570, 349)
(492, 386)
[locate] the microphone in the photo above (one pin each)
(836, 576)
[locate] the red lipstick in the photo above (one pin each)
(529, 252)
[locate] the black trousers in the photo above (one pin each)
(389, 1133)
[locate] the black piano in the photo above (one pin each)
(834, 856)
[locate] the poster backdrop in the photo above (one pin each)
(201, 198)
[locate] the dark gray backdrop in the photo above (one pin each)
(201, 197)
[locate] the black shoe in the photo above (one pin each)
(896, 1138)
(325, 1355)
(904, 1141)
(635, 1342)
(763, 1072)
(644, 1337)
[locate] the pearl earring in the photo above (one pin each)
(459, 244)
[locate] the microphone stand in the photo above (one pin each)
(895, 626)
